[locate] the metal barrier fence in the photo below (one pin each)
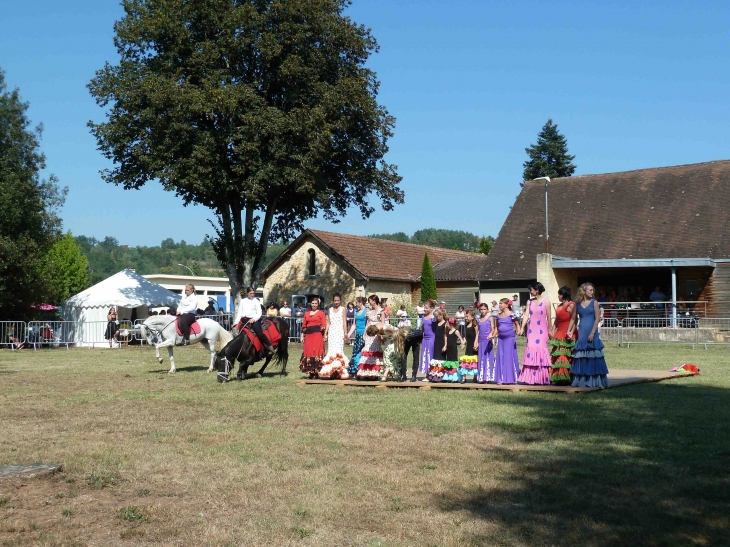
(627, 331)
(49, 334)
(12, 334)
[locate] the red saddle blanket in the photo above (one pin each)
(194, 328)
(270, 331)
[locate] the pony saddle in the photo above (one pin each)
(194, 328)
(270, 331)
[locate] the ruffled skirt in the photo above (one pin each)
(589, 364)
(536, 365)
(356, 350)
(562, 356)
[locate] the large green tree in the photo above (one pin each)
(261, 110)
(28, 208)
(549, 156)
(65, 269)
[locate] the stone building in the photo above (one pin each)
(321, 263)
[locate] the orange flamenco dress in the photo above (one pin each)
(313, 326)
(562, 347)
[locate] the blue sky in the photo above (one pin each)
(630, 84)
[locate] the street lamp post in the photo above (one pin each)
(188, 269)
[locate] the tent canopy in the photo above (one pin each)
(125, 289)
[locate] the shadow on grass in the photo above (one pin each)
(640, 466)
(191, 368)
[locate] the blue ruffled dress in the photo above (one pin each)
(589, 367)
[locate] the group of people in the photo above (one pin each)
(564, 349)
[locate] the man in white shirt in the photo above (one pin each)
(249, 315)
(186, 312)
(285, 310)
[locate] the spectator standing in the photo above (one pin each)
(210, 310)
(420, 312)
(602, 297)
(299, 315)
(271, 311)
(285, 310)
(386, 311)
(112, 326)
(494, 309)
(460, 317)
(402, 315)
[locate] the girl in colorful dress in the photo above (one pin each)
(561, 339)
(508, 362)
(589, 364)
(536, 364)
(314, 324)
(453, 342)
(469, 367)
(358, 329)
(484, 345)
(336, 321)
(372, 352)
(429, 338)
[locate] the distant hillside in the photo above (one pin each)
(446, 239)
(108, 256)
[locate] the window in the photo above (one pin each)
(312, 262)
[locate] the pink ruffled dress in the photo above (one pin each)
(536, 364)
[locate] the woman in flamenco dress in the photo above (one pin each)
(485, 346)
(589, 364)
(314, 325)
(371, 357)
(536, 363)
(358, 330)
(561, 339)
(508, 362)
(429, 338)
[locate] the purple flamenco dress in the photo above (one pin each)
(536, 364)
(485, 353)
(508, 362)
(427, 346)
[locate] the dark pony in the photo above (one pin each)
(241, 349)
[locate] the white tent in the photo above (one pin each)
(129, 293)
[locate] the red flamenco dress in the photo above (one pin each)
(313, 326)
(562, 348)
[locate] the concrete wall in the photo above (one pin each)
(389, 289)
(331, 275)
(553, 279)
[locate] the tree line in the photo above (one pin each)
(446, 239)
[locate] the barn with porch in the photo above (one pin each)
(627, 233)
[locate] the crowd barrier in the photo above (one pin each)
(690, 330)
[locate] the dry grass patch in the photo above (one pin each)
(151, 459)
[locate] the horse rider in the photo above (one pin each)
(249, 314)
(186, 312)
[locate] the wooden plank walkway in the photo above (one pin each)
(617, 377)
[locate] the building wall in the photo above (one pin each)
(400, 290)
(331, 275)
(717, 291)
(205, 287)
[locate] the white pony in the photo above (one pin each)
(160, 331)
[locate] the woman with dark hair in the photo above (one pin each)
(336, 321)
(562, 339)
(371, 356)
(112, 326)
(314, 325)
(536, 363)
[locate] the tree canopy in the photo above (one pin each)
(447, 239)
(65, 269)
(261, 110)
(28, 208)
(549, 156)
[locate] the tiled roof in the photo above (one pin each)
(667, 212)
(460, 269)
(383, 259)
(375, 258)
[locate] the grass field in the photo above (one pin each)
(152, 459)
